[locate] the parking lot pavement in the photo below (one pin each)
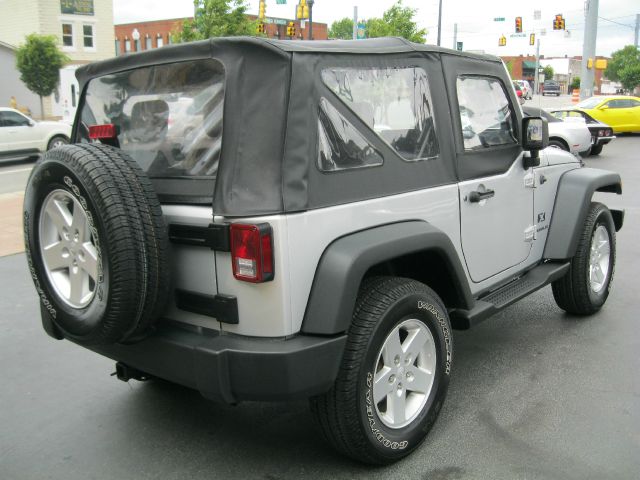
(534, 394)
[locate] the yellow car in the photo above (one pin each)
(622, 113)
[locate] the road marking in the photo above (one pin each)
(7, 172)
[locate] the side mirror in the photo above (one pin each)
(603, 107)
(32, 123)
(535, 137)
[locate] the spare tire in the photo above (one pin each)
(96, 244)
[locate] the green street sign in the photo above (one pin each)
(498, 19)
(281, 2)
(459, 46)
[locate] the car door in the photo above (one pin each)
(495, 192)
(19, 132)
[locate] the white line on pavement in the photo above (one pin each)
(6, 172)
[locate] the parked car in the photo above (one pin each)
(358, 200)
(620, 112)
(519, 92)
(572, 137)
(601, 134)
(551, 87)
(21, 136)
(527, 91)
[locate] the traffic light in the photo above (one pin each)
(262, 9)
(518, 24)
(261, 28)
(302, 10)
(502, 41)
(532, 39)
(558, 22)
(291, 29)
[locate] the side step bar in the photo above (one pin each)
(510, 293)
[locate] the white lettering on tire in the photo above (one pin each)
(445, 330)
(379, 436)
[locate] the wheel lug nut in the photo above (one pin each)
(392, 378)
(409, 376)
(408, 359)
(396, 360)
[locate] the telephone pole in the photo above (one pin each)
(637, 29)
(355, 23)
(589, 48)
(439, 21)
(455, 36)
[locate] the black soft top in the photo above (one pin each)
(209, 48)
(270, 121)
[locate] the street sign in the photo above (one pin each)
(518, 35)
(537, 15)
(459, 46)
(361, 32)
(498, 19)
(281, 2)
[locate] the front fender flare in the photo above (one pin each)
(573, 199)
(345, 261)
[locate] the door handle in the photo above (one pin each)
(476, 196)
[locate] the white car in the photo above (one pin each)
(573, 137)
(527, 91)
(20, 136)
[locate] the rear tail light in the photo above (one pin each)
(99, 132)
(252, 252)
(601, 133)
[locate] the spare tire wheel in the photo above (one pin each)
(96, 243)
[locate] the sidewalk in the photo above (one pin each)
(11, 239)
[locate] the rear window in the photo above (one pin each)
(169, 117)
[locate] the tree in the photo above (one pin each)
(575, 83)
(39, 62)
(624, 67)
(395, 22)
(216, 18)
(548, 72)
(399, 20)
(341, 29)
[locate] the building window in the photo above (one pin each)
(67, 35)
(127, 45)
(117, 47)
(87, 32)
(159, 41)
(147, 43)
(169, 39)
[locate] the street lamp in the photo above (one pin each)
(136, 38)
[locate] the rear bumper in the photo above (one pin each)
(603, 140)
(229, 368)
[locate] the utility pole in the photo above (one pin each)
(589, 48)
(310, 3)
(455, 36)
(355, 23)
(439, 21)
(637, 29)
(536, 77)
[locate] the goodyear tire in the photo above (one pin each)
(96, 244)
(585, 288)
(394, 374)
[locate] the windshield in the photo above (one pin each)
(168, 117)
(589, 102)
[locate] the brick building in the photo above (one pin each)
(157, 33)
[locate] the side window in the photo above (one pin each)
(340, 145)
(67, 35)
(394, 102)
(485, 113)
(12, 119)
(634, 103)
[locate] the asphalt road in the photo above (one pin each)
(534, 394)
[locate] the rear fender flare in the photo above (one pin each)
(345, 262)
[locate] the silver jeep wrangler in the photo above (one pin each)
(272, 220)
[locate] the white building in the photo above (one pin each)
(84, 29)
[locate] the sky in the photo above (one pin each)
(475, 18)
